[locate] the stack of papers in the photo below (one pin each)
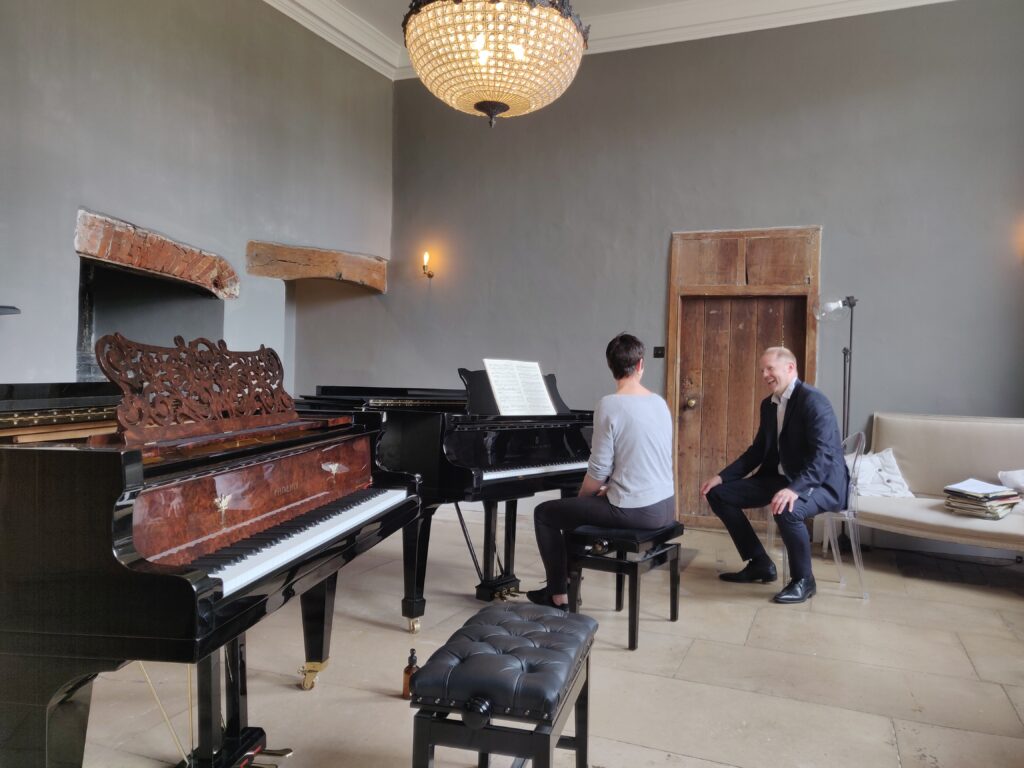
(980, 499)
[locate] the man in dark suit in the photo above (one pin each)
(798, 455)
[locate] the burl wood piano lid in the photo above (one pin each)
(121, 244)
(293, 262)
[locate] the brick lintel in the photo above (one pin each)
(124, 245)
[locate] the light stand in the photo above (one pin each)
(850, 302)
(827, 309)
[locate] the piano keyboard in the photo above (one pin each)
(251, 559)
(537, 469)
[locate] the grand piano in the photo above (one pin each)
(464, 450)
(159, 518)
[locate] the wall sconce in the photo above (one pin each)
(426, 265)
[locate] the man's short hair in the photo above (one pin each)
(624, 354)
(780, 353)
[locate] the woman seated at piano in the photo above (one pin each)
(629, 481)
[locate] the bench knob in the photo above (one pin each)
(478, 713)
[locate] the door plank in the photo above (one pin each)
(742, 384)
(710, 261)
(715, 391)
(778, 260)
(794, 329)
(688, 421)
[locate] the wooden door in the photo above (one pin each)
(732, 295)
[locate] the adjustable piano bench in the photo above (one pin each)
(609, 550)
(525, 664)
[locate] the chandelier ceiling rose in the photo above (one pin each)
(495, 57)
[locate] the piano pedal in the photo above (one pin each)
(286, 753)
(309, 671)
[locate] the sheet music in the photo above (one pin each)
(519, 388)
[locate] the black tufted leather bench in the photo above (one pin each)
(522, 663)
(609, 549)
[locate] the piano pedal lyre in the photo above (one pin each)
(309, 671)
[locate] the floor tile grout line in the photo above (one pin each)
(970, 658)
(1020, 715)
(896, 742)
(879, 667)
(677, 676)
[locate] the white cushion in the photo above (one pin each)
(878, 474)
(1013, 478)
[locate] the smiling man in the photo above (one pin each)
(798, 457)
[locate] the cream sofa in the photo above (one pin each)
(934, 451)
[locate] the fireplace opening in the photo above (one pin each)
(142, 307)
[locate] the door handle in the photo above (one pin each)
(690, 403)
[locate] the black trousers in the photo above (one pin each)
(729, 499)
(552, 519)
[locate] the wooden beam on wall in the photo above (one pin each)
(120, 244)
(292, 262)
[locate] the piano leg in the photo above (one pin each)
(235, 744)
(511, 515)
(415, 543)
(503, 582)
(317, 620)
(44, 709)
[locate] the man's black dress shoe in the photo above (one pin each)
(797, 591)
(541, 597)
(752, 572)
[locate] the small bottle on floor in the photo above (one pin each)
(410, 669)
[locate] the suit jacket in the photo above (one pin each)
(809, 445)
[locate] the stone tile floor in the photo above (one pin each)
(927, 673)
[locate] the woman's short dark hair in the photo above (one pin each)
(624, 354)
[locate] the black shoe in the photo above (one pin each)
(752, 572)
(797, 591)
(541, 597)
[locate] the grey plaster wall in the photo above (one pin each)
(211, 122)
(901, 133)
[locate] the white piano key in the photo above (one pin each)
(528, 471)
(259, 564)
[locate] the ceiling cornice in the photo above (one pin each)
(670, 23)
(345, 30)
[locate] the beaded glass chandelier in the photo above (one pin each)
(494, 57)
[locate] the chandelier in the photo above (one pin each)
(493, 57)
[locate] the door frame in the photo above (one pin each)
(679, 290)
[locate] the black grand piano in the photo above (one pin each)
(159, 518)
(463, 450)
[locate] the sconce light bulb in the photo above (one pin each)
(426, 258)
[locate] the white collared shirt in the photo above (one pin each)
(780, 415)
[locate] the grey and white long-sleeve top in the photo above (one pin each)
(631, 451)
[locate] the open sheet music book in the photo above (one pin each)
(519, 388)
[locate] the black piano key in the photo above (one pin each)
(240, 550)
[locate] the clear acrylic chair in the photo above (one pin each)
(853, 449)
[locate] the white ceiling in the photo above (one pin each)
(371, 30)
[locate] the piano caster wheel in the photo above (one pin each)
(309, 671)
(414, 626)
